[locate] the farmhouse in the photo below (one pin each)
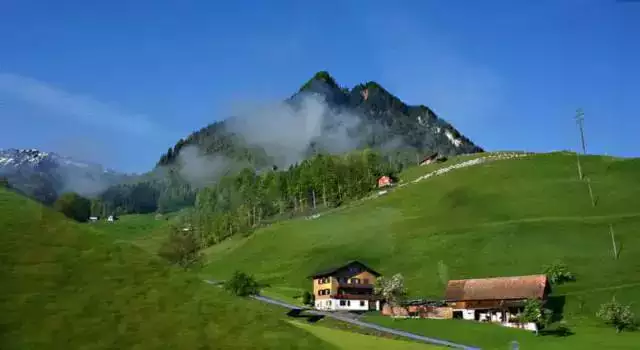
(435, 157)
(94, 218)
(346, 287)
(497, 299)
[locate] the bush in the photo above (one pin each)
(308, 298)
(73, 206)
(617, 315)
(558, 273)
(242, 284)
(181, 248)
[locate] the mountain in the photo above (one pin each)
(324, 117)
(320, 118)
(44, 175)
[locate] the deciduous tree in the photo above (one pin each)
(73, 206)
(617, 315)
(558, 273)
(392, 290)
(242, 284)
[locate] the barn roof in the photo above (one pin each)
(431, 156)
(516, 287)
(332, 270)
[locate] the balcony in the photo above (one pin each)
(354, 296)
(355, 285)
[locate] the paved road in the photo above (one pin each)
(357, 322)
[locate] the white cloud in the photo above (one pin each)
(60, 103)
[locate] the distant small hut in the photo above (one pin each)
(435, 157)
(385, 181)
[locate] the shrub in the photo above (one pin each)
(73, 206)
(617, 315)
(534, 312)
(242, 284)
(308, 298)
(558, 273)
(181, 248)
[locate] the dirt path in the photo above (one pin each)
(559, 218)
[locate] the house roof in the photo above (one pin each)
(431, 156)
(516, 287)
(330, 271)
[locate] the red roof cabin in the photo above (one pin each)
(384, 181)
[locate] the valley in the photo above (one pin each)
(500, 218)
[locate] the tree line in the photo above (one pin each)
(163, 193)
(238, 204)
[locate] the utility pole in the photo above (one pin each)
(313, 193)
(579, 121)
(613, 241)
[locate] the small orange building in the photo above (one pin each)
(384, 181)
(346, 287)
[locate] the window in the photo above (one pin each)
(365, 281)
(343, 302)
(355, 280)
(361, 302)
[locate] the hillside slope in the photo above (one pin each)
(508, 217)
(65, 287)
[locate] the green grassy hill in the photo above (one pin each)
(507, 217)
(65, 287)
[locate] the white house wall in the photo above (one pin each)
(496, 317)
(467, 314)
(350, 305)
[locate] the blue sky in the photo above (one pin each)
(119, 82)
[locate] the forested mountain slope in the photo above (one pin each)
(321, 118)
